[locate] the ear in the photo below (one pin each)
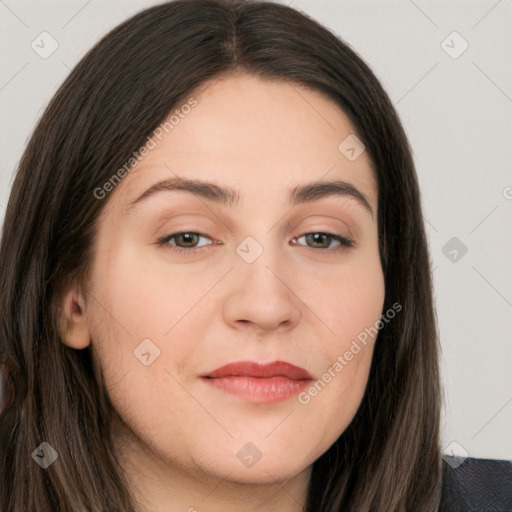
(73, 325)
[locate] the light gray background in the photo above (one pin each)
(458, 115)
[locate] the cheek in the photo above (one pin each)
(350, 310)
(348, 300)
(145, 312)
(143, 300)
(149, 295)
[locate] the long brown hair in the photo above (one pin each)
(389, 456)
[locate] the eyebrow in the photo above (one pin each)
(229, 196)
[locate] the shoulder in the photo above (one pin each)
(477, 485)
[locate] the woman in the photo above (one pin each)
(217, 289)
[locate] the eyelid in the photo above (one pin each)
(164, 241)
(318, 222)
(344, 242)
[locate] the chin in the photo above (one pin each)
(266, 470)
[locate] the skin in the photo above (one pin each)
(296, 302)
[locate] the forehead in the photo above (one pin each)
(254, 134)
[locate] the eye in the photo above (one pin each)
(188, 241)
(322, 241)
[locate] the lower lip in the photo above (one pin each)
(260, 390)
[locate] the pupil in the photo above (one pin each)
(318, 237)
(189, 238)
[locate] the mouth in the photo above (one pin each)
(260, 383)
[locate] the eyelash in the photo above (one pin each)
(344, 242)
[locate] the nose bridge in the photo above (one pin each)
(261, 293)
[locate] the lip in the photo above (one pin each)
(260, 382)
(261, 370)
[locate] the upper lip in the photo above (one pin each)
(261, 370)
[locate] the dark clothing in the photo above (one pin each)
(477, 485)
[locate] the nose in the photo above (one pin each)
(261, 297)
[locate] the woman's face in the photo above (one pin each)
(262, 284)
